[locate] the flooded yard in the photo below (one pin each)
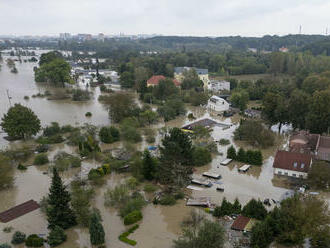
(161, 224)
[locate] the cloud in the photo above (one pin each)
(170, 17)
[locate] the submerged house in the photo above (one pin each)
(154, 80)
(217, 104)
(292, 164)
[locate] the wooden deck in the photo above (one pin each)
(18, 211)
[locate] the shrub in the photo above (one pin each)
(42, 148)
(149, 188)
(123, 237)
(106, 169)
(64, 161)
(224, 142)
(21, 167)
(34, 241)
(7, 229)
(51, 130)
(167, 200)
(54, 139)
(150, 139)
(26, 97)
(41, 159)
(132, 183)
(116, 197)
(135, 203)
(18, 238)
(56, 236)
(255, 209)
(109, 134)
(5, 245)
(133, 217)
(67, 129)
(80, 95)
(88, 114)
(201, 156)
(179, 195)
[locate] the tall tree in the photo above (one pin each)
(318, 119)
(59, 212)
(149, 164)
(175, 158)
(96, 231)
(20, 122)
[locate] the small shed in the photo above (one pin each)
(243, 223)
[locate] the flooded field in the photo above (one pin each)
(161, 224)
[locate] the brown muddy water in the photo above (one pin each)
(161, 224)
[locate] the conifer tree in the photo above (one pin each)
(59, 212)
(96, 230)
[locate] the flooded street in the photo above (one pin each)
(160, 224)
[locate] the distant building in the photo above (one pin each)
(292, 164)
(65, 36)
(253, 50)
(217, 104)
(283, 49)
(100, 37)
(154, 80)
(203, 74)
(216, 86)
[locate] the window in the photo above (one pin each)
(286, 173)
(302, 165)
(301, 176)
(295, 164)
(279, 172)
(294, 175)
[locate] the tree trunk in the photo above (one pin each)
(279, 127)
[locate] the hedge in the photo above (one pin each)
(133, 217)
(123, 237)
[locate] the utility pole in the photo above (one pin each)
(8, 97)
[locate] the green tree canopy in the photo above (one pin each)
(20, 122)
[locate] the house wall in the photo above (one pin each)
(290, 173)
(218, 107)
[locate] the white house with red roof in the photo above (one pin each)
(292, 164)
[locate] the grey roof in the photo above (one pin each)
(199, 71)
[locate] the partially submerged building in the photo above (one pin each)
(243, 224)
(292, 164)
(217, 104)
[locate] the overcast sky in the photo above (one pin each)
(168, 17)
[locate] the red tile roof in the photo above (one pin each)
(292, 161)
(240, 223)
(18, 211)
(154, 80)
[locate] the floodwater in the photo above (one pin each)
(161, 224)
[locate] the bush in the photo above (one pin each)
(18, 238)
(64, 161)
(51, 130)
(54, 139)
(41, 159)
(106, 169)
(224, 142)
(34, 241)
(201, 156)
(135, 203)
(5, 246)
(123, 237)
(133, 217)
(167, 200)
(88, 114)
(21, 167)
(80, 95)
(67, 129)
(149, 188)
(109, 134)
(42, 148)
(56, 236)
(255, 209)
